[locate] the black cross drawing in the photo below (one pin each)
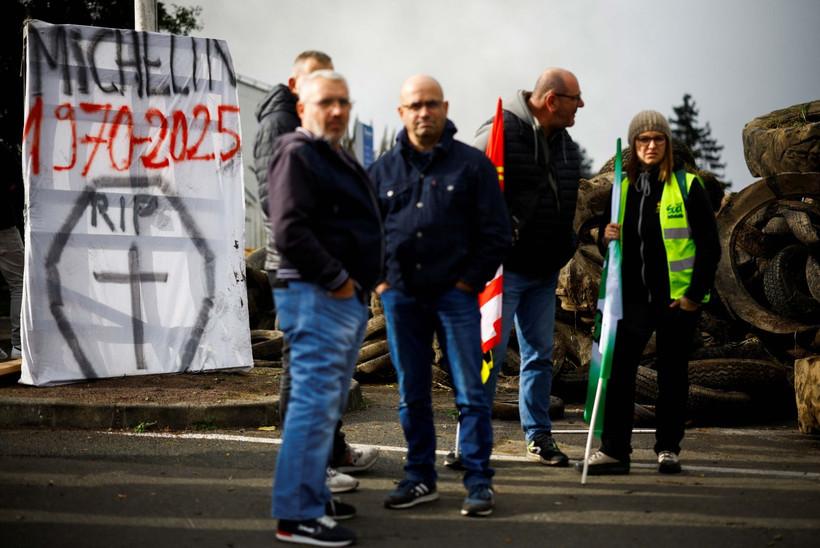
(134, 278)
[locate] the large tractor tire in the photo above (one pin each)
(783, 141)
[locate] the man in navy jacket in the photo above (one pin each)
(327, 228)
(446, 232)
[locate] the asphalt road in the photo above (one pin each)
(751, 486)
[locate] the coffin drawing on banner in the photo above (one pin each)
(134, 206)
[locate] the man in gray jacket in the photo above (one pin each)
(541, 172)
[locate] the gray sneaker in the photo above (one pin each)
(601, 464)
(3, 355)
(479, 502)
(340, 483)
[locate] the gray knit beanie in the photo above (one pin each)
(649, 120)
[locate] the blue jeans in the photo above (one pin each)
(411, 322)
(325, 335)
(531, 303)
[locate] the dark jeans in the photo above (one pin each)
(411, 322)
(674, 330)
(337, 454)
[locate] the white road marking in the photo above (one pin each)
(499, 457)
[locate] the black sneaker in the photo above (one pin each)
(544, 449)
(601, 464)
(337, 509)
(479, 502)
(410, 493)
(668, 463)
(453, 461)
(321, 531)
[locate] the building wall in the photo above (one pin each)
(251, 93)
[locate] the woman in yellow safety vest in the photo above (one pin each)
(670, 251)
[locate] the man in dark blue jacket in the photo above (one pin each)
(446, 232)
(327, 228)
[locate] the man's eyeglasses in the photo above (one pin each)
(432, 104)
(343, 103)
(657, 139)
(576, 98)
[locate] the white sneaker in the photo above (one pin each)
(668, 463)
(16, 353)
(358, 459)
(340, 483)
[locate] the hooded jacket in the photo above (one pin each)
(541, 176)
(277, 116)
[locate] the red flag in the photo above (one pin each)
(490, 299)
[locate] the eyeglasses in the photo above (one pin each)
(576, 98)
(657, 139)
(329, 102)
(432, 104)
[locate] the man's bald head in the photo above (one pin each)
(423, 110)
(420, 81)
(553, 79)
(555, 99)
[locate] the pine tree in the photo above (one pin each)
(704, 147)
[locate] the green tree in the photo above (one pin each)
(705, 149)
(179, 20)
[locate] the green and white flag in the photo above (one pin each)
(609, 313)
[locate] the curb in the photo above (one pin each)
(54, 413)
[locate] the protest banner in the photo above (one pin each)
(134, 206)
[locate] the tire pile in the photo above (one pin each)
(764, 314)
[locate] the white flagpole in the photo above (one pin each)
(457, 450)
(591, 434)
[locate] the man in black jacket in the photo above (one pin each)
(327, 228)
(446, 233)
(277, 116)
(541, 172)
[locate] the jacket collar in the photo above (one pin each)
(442, 147)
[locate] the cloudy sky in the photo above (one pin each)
(737, 58)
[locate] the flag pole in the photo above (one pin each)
(591, 433)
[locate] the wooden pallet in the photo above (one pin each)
(11, 367)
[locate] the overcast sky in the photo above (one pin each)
(737, 58)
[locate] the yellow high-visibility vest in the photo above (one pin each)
(677, 236)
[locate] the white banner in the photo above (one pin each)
(135, 209)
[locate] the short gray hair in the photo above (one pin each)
(325, 74)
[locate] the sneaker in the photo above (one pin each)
(544, 449)
(453, 461)
(668, 463)
(16, 353)
(479, 501)
(3, 355)
(358, 459)
(321, 531)
(340, 483)
(339, 510)
(601, 464)
(410, 493)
